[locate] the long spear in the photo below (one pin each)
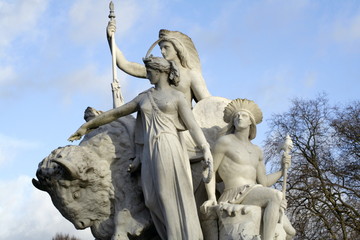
(118, 99)
(286, 147)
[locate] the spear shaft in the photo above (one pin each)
(285, 177)
(286, 147)
(116, 93)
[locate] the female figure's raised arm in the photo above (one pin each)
(105, 118)
(131, 68)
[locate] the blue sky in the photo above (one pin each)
(55, 61)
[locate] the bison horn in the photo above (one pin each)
(69, 166)
(38, 185)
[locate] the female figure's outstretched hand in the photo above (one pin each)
(78, 134)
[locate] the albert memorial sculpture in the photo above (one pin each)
(176, 171)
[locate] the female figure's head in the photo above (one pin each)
(156, 65)
(174, 44)
(168, 51)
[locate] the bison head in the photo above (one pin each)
(90, 186)
(80, 188)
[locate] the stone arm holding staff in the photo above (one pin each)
(175, 46)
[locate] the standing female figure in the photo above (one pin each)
(175, 46)
(165, 169)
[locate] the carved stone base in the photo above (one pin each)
(243, 222)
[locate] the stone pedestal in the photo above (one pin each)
(236, 222)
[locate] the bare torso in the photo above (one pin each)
(240, 162)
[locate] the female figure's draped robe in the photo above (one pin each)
(166, 174)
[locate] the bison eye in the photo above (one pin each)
(76, 194)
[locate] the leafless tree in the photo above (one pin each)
(324, 179)
(60, 236)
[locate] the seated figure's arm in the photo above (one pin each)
(262, 178)
(198, 86)
(131, 68)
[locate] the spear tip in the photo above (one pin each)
(111, 7)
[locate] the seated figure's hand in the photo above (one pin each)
(111, 28)
(134, 165)
(283, 204)
(286, 160)
(204, 208)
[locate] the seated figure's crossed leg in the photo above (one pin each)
(269, 199)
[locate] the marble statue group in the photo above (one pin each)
(176, 171)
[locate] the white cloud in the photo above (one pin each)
(19, 21)
(88, 81)
(88, 18)
(347, 31)
(7, 75)
(18, 17)
(27, 213)
(275, 14)
(340, 30)
(276, 88)
(259, 16)
(310, 79)
(10, 147)
(92, 83)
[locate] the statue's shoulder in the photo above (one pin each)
(143, 95)
(224, 141)
(257, 149)
(177, 95)
(145, 92)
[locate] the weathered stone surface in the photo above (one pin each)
(90, 186)
(243, 223)
(240, 165)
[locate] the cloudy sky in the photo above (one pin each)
(55, 61)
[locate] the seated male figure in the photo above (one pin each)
(240, 165)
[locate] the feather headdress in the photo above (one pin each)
(248, 106)
(238, 105)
